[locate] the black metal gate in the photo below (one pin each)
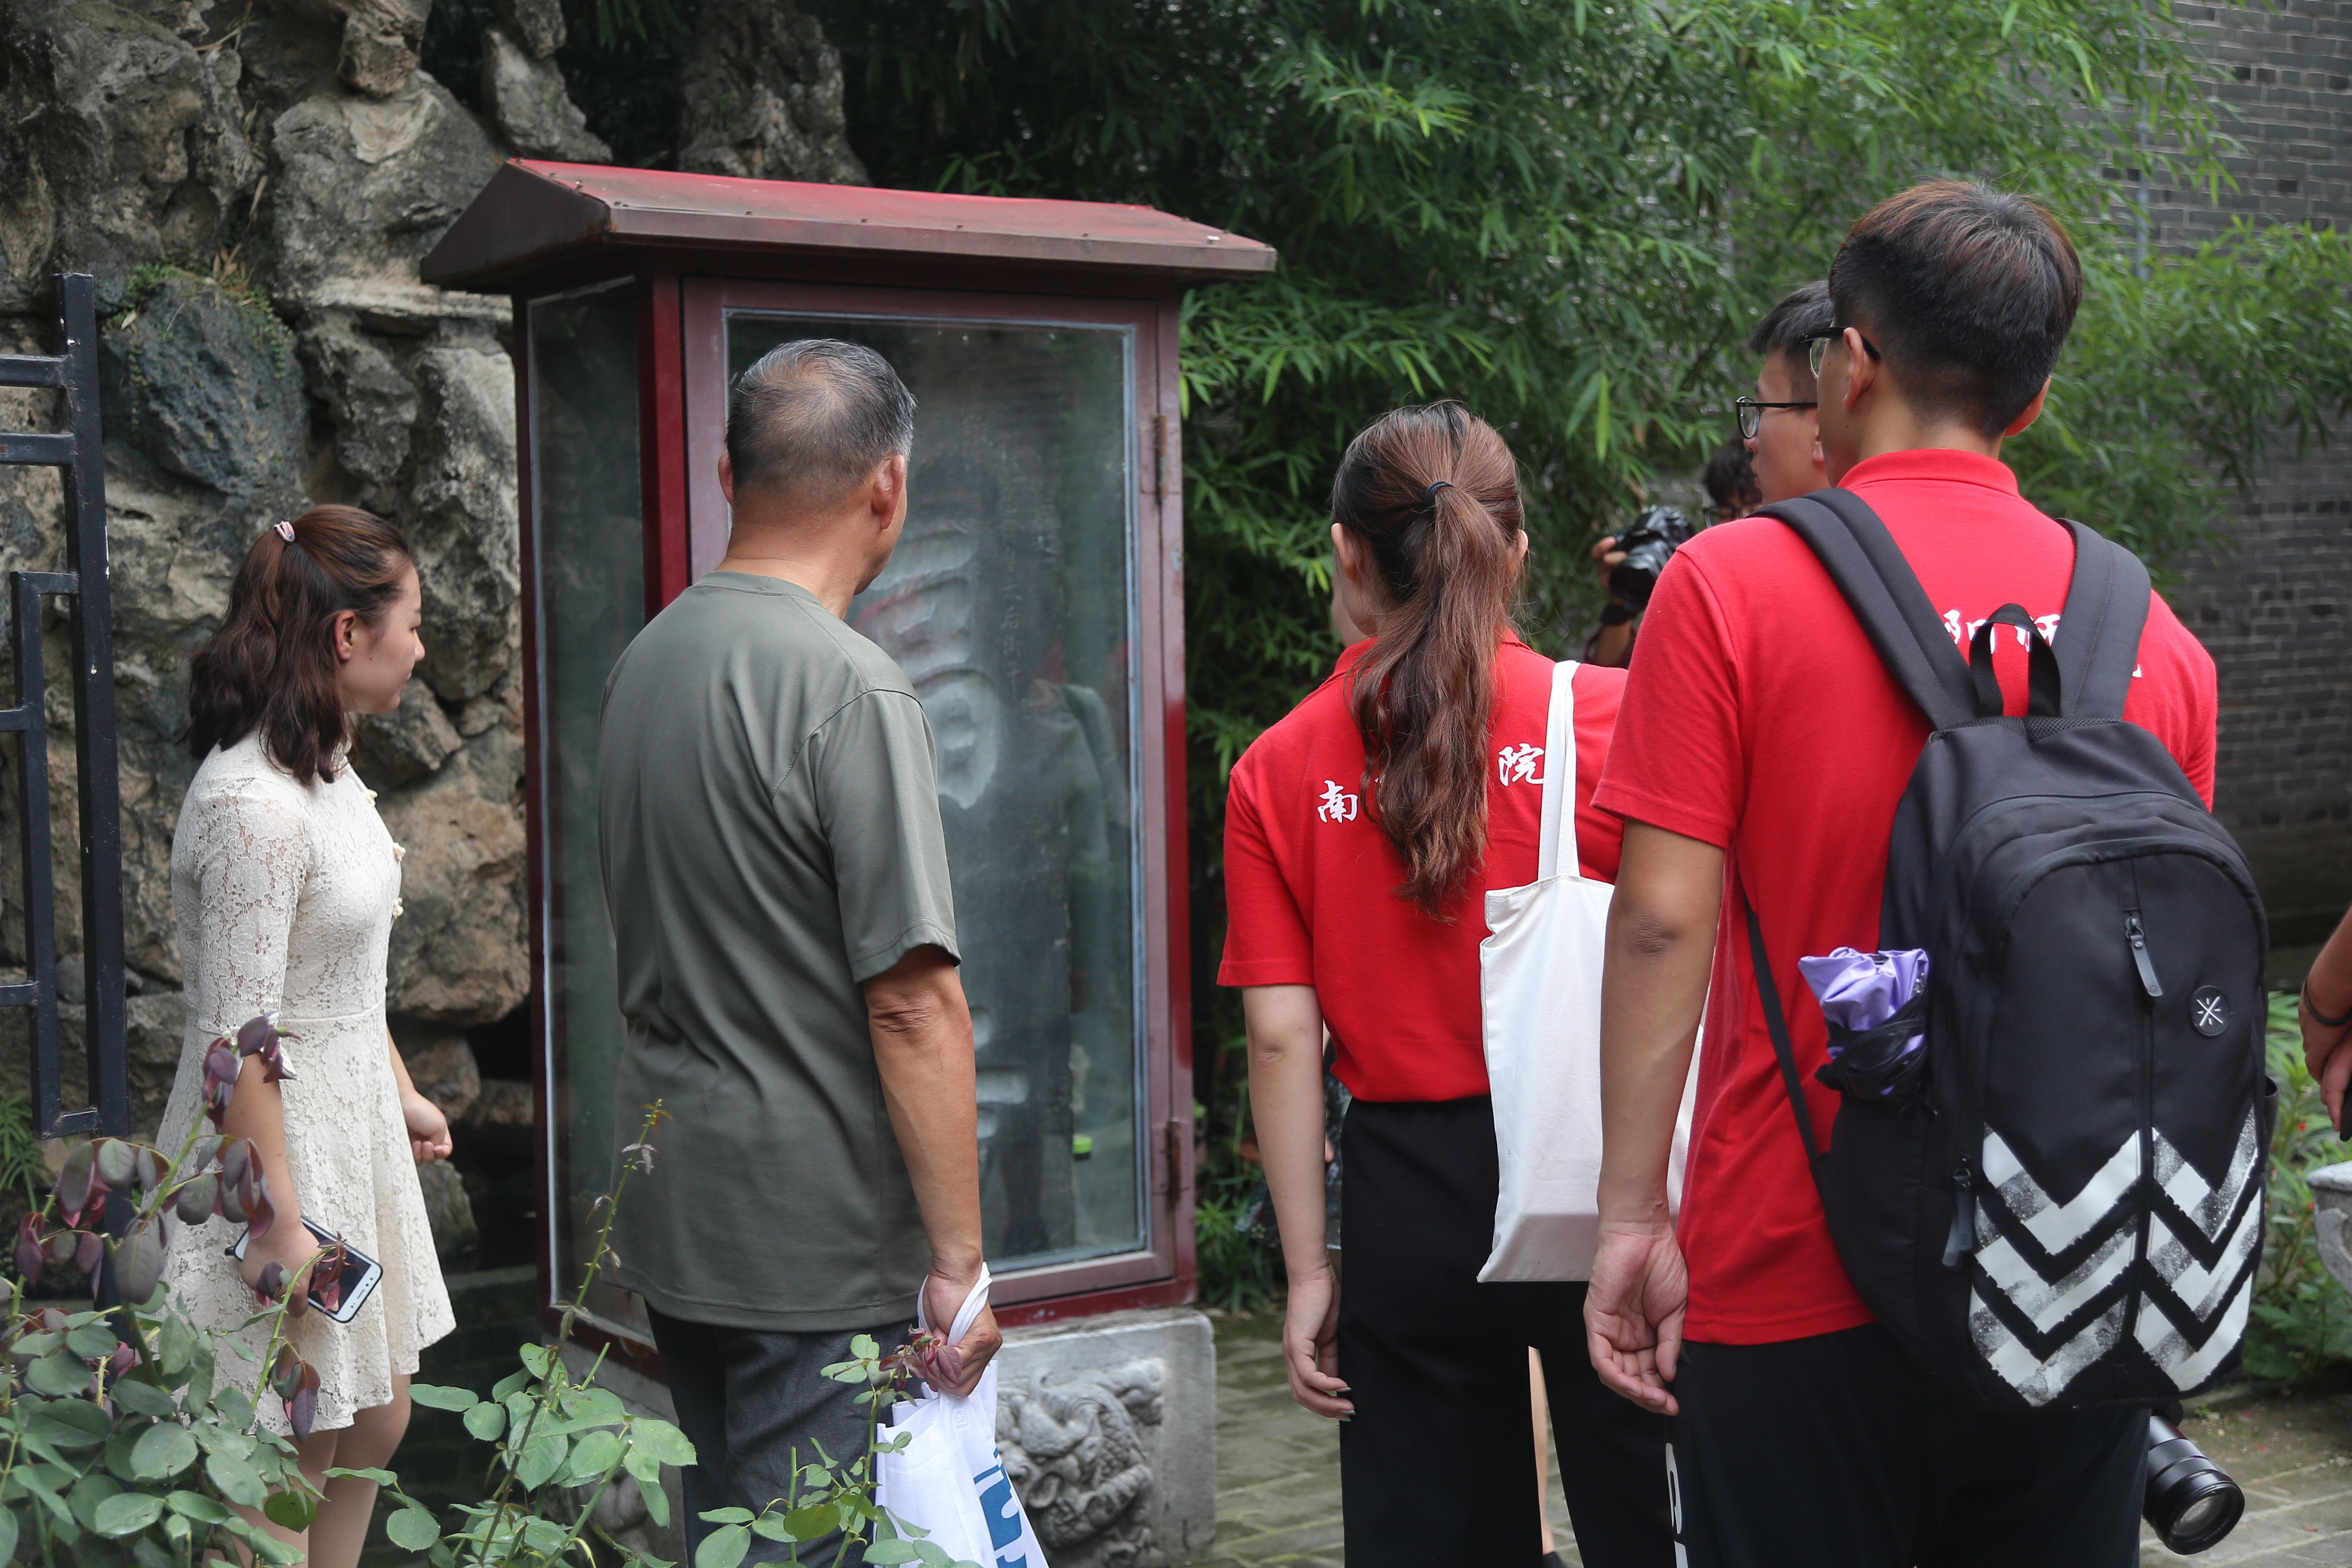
(73, 370)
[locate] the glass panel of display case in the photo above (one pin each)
(589, 547)
(1010, 604)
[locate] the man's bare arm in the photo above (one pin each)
(1653, 988)
(921, 1028)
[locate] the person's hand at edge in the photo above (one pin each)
(2329, 987)
(1633, 1312)
(1310, 1345)
(428, 1128)
(956, 1368)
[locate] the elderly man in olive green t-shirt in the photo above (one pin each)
(778, 884)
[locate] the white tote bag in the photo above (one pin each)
(950, 1478)
(1539, 996)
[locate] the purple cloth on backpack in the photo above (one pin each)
(1862, 989)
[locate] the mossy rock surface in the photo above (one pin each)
(202, 379)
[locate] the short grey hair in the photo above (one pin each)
(816, 416)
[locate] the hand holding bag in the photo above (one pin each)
(1539, 1001)
(949, 1478)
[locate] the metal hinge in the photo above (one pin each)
(1175, 1135)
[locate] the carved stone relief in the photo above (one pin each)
(1078, 1447)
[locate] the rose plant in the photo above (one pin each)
(121, 1445)
(559, 1443)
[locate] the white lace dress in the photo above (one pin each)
(285, 896)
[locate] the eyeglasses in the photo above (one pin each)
(1817, 347)
(1751, 413)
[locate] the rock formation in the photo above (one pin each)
(524, 94)
(253, 188)
(763, 97)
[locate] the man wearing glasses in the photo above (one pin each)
(1781, 423)
(1758, 755)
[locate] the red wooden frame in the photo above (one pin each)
(689, 245)
(680, 368)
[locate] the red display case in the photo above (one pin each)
(1036, 601)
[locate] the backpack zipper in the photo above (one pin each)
(1961, 1239)
(2138, 936)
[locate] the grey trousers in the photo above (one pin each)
(751, 1401)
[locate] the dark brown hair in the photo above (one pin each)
(1435, 495)
(1970, 293)
(271, 666)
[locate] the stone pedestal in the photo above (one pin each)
(1108, 1429)
(2331, 1198)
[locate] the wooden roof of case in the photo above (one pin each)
(535, 215)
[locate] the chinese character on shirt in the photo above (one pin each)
(1517, 765)
(1338, 805)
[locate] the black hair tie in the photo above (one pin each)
(1429, 496)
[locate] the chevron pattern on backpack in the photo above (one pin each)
(2054, 1293)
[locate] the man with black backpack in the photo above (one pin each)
(1937, 1269)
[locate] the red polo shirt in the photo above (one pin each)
(1311, 882)
(1759, 718)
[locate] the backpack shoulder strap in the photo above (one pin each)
(1863, 560)
(2098, 633)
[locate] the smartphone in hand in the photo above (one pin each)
(361, 1275)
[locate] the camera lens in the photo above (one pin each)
(2191, 1502)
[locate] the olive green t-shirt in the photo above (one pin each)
(768, 803)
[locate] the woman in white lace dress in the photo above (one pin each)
(285, 886)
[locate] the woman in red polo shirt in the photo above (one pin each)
(1362, 835)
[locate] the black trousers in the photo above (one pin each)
(751, 1401)
(1837, 1449)
(1437, 1466)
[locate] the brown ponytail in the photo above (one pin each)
(1435, 494)
(271, 666)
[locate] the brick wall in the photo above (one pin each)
(2275, 605)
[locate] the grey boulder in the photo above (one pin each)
(526, 99)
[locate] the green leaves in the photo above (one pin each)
(808, 1523)
(163, 1451)
(236, 1480)
(660, 1442)
(724, 1547)
(126, 1513)
(487, 1421)
(591, 1456)
(58, 1374)
(411, 1529)
(145, 1398)
(539, 1459)
(433, 1397)
(290, 1510)
(198, 1507)
(92, 1342)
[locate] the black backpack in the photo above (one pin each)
(2056, 1200)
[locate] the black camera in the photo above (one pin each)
(1648, 545)
(2191, 1502)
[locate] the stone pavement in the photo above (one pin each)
(1277, 1466)
(1279, 1470)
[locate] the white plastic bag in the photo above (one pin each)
(948, 1479)
(1539, 997)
